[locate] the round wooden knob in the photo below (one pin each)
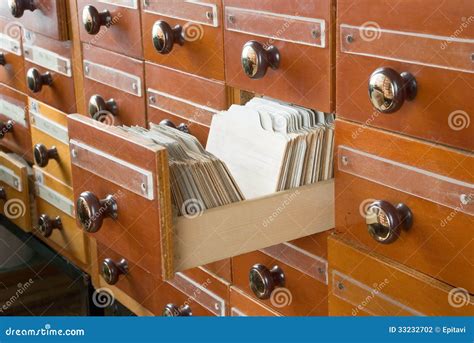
(172, 310)
(385, 221)
(18, 7)
(92, 19)
(263, 280)
(46, 225)
(3, 194)
(36, 80)
(181, 127)
(256, 59)
(388, 90)
(112, 270)
(91, 211)
(98, 107)
(3, 60)
(165, 37)
(42, 154)
(6, 127)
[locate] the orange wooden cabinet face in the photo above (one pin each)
(12, 71)
(281, 49)
(433, 182)
(112, 25)
(362, 283)
(187, 36)
(417, 73)
(47, 17)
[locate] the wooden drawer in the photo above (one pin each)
(434, 105)
(242, 305)
(121, 187)
(198, 50)
(364, 283)
(15, 124)
(123, 35)
(290, 57)
(130, 284)
(17, 203)
(288, 280)
(50, 140)
(54, 200)
(184, 99)
(48, 18)
(197, 292)
(434, 182)
(49, 72)
(114, 89)
(12, 71)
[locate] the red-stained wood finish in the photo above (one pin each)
(12, 73)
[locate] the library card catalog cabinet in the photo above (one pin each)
(243, 158)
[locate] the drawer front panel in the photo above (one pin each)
(390, 289)
(17, 203)
(301, 295)
(433, 182)
(12, 70)
(242, 305)
(433, 105)
(55, 199)
(49, 18)
(200, 50)
(301, 72)
(122, 36)
(138, 284)
(119, 82)
(49, 131)
(109, 163)
(49, 72)
(184, 98)
(14, 118)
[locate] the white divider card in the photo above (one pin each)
(270, 145)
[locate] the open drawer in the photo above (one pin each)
(122, 192)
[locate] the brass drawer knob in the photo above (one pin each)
(6, 127)
(46, 225)
(42, 154)
(92, 19)
(18, 7)
(181, 127)
(388, 89)
(172, 310)
(256, 59)
(98, 107)
(3, 60)
(3, 194)
(164, 37)
(111, 270)
(36, 80)
(263, 280)
(385, 221)
(91, 211)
